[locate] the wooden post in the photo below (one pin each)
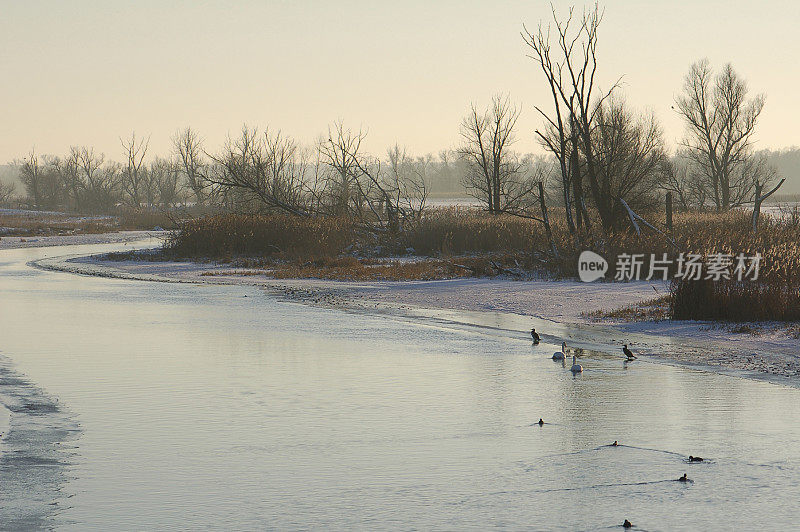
(546, 220)
(669, 211)
(759, 199)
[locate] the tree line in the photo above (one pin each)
(603, 157)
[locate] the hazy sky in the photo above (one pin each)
(88, 72)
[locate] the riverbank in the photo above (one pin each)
(559, 309)
(16, 242)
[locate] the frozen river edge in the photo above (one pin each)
(496, 306)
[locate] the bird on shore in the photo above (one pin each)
(576, 368)
(695, 458)
(683, 478)
(627, 524)
(561, 355)
(628, 352)
(535, 336)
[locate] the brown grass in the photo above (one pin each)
(462, 242)
(656, 309)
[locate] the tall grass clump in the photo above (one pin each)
(774, 295)
(229, 235)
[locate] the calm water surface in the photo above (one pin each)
(162, 406)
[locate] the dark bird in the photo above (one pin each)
(541, 422)
(535, 336)
(615, 444)
(628, 352)
(683, 478)
(627, 524)
(695, 458)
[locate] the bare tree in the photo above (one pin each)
(74, 185)
(495, 175)
(571, 75)
(267, 170)
(720, 122)
(405, 184)
(32, 176)
(341, 151)
(134, 173)
(629, 154)
(6, 191)
(679, 176)
(102, 181)
(189, 148)
(164, 178)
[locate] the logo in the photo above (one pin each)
(591, 266)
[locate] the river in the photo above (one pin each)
(142, 405)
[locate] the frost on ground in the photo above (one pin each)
(570, 307)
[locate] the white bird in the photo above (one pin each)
(576, 368)
(561, 355)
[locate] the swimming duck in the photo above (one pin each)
(695, 458)
(535, 336)
(683, 478)
(541, 422)
(576, 368)
(628, 352)
(615, 444)
(627, 524)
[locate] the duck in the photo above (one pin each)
(695, 458)
(541, 422)
(576, 368)
(683, 478)
(627, 524)
(535, 336)
(628, 352)
(561, 355)
(615, 444)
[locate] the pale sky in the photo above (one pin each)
(88, 72)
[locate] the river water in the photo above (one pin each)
(141, 406)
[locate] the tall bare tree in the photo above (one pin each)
(570, 69)
(720, 122)
(495, 175)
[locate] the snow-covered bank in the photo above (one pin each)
(15, 242)
(508, 307)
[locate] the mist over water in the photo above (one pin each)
(165, 405)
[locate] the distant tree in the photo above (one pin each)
(134, 172)
(495, 176)
(679, 176)
(720, 122)
(31, 174)
(189, 148)
(6, 192)
(164, 177)
(74, 185)
(102, 180)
